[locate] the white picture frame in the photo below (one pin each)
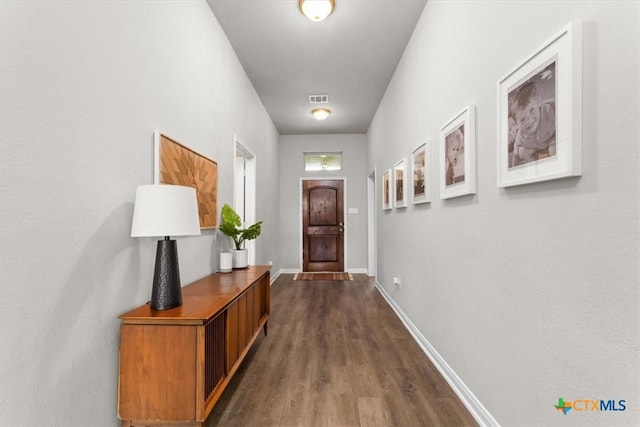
(400, 184)
(457, 155)
(387, 190)
(540, 113)
(420, 167)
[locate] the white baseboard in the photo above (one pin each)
(274, 276)
(357, 270)
(289, 271)
(475, 407)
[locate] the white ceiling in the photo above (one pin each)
(350, 56)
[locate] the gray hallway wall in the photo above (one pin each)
(529, 293)
(84, 85)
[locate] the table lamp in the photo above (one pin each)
(165, 210)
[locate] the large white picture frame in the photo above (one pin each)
(458, 155)
(540, 113)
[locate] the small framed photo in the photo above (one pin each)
(400, 184)
(458, 155)
(540, 113)
(386, 190)
(421, 193)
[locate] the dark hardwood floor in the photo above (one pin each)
(336, 355)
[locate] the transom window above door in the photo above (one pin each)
(314, 162)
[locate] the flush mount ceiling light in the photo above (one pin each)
(321, 113)
(317, 10)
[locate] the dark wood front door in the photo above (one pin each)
(322, 225)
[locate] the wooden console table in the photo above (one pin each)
(175, 364)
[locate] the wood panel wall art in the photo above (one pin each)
(179, 165)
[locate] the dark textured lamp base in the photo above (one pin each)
(167, 292)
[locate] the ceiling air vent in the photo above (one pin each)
(318, 99)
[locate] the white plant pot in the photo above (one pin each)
(226, 262)
(240, 258)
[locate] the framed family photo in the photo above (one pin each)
(400, 184)
(458, 155)
(539, 113)
(386, 190)
(421, 192)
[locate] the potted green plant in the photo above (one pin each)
(232, 226)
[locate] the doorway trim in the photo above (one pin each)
(372, 245)
(248, 190)
(300, 219)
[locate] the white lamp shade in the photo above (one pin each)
(165, 210)
(316, 10)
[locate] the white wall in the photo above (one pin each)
(529, 293)
(354, 154)
(84, 85)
